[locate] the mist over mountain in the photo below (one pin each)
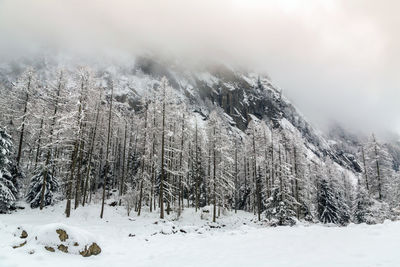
(336, 60)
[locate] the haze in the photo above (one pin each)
(337, 60)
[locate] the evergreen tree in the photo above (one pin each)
(328, 210)
(36, 186)
(282, 206)
(280, 211)
(9, 184)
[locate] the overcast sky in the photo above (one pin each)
(337, 60)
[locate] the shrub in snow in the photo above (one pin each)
(36, 187)
(9, 173)
(129, 198)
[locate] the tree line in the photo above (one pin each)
(71, 138)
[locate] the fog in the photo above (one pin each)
(336, 60)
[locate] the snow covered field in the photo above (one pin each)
(147, 241)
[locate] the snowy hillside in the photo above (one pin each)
(238, 93)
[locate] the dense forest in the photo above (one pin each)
(66, 136)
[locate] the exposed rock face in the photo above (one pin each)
(240, 94)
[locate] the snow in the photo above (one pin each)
(47, 236)
(207, 77)
(229, 86)
(236, 240)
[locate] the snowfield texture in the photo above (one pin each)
(235, 240)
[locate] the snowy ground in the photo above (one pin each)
(234, 244)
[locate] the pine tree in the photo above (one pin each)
(328, 211)
(9, 184)
(36, 186)
(282, 206)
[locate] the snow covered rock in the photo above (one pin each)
(24, 234)
(168, 228)
(206, 213)
(61, 237)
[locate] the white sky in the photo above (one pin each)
(335, 59)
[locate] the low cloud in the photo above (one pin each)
(337, 60)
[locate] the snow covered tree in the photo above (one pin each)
(363, 205)
(303, 189)
(107, 168)
(35, 190)
(282, 205)
(9, 184)
(26, 86)
(221, 182)
(332, 196)
(328, 211)
(379, 168)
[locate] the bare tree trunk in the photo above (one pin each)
(39, 142)
(143, 161)
(256, 180)
(209, 175)
(81, 146)
(79, 174)
(280, 172)
(190, 167)
(78, 145)
(180, 197)
(214, 178)
(365, 169)
(296, 181)
(236, 175)
(169, 166)
(162, 158)
(196, 174)
(71, 176)
(245, 181)
(21, 137)
(92, 142)
(267, 176)
(153, 171)
(378, 171)
(107, 152)
(272, 161)
(51, 139)
(122, 186)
